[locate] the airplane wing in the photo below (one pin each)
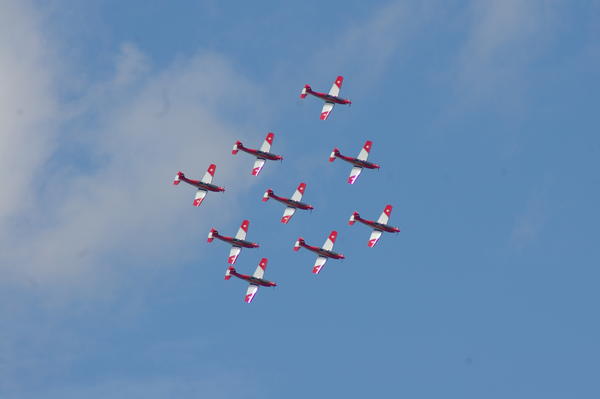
(233, 255)
(210, 173)
(258, 165)
(200, 194)
(337, 85)
(364, 152)
(241, 233)
(385, 215)
(374, 238)
(330, 241)
(327, 107)
(266, 145)
(297, 196)
(287, 214)
(260, 269)
(354, 174)
(252, 290)
(321, 260)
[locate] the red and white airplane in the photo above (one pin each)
(324, 253)
(359, 162)
(292, 203)
(236, 242)
(261, 154)
(204, 185)
(255, 280)
(379, 226)
(330, 98)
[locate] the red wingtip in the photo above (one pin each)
(263, 263)
(333, 235)
(211, 169)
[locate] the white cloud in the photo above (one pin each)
(107, 193)
(28, 106)
(365, 47)
(503, 38)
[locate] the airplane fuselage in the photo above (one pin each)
(254, 280)
(358, 162)
(260, 154)
(290, 202)
(379, 226)
(328, 97)
(323, 252)
(202, 185)
(236, 242)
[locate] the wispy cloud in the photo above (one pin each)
(28, 106)
(107, 190)
(502, 39)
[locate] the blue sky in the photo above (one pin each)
(484, 119)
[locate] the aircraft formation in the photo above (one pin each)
(324, 252)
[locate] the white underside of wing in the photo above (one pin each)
(375, 235)
(363, 155)
(354, 173)
(207, 178)
(335, 90)
(252, 290)
(287, 214)
(265, 147)
(233, 255)
(200, 194)
(328, 244)
(383, 218)
(259, 272)
(297, 196)
(241, 233)
(320, 262)
(327, 108)
(258, 165)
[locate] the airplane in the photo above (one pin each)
(359, 162)
(379, 226)
(292, 203)
(261, 155)
(236, 242)
(255, 280)
(204, 185)
(330, 98)
(323, 253)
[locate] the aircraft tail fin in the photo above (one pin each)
(267, 195)
(211, 235)
(305, 91)
(177, 178)
(235, 147)
(298, 243)
(353, 218)
(228, 272)
(334, 154)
